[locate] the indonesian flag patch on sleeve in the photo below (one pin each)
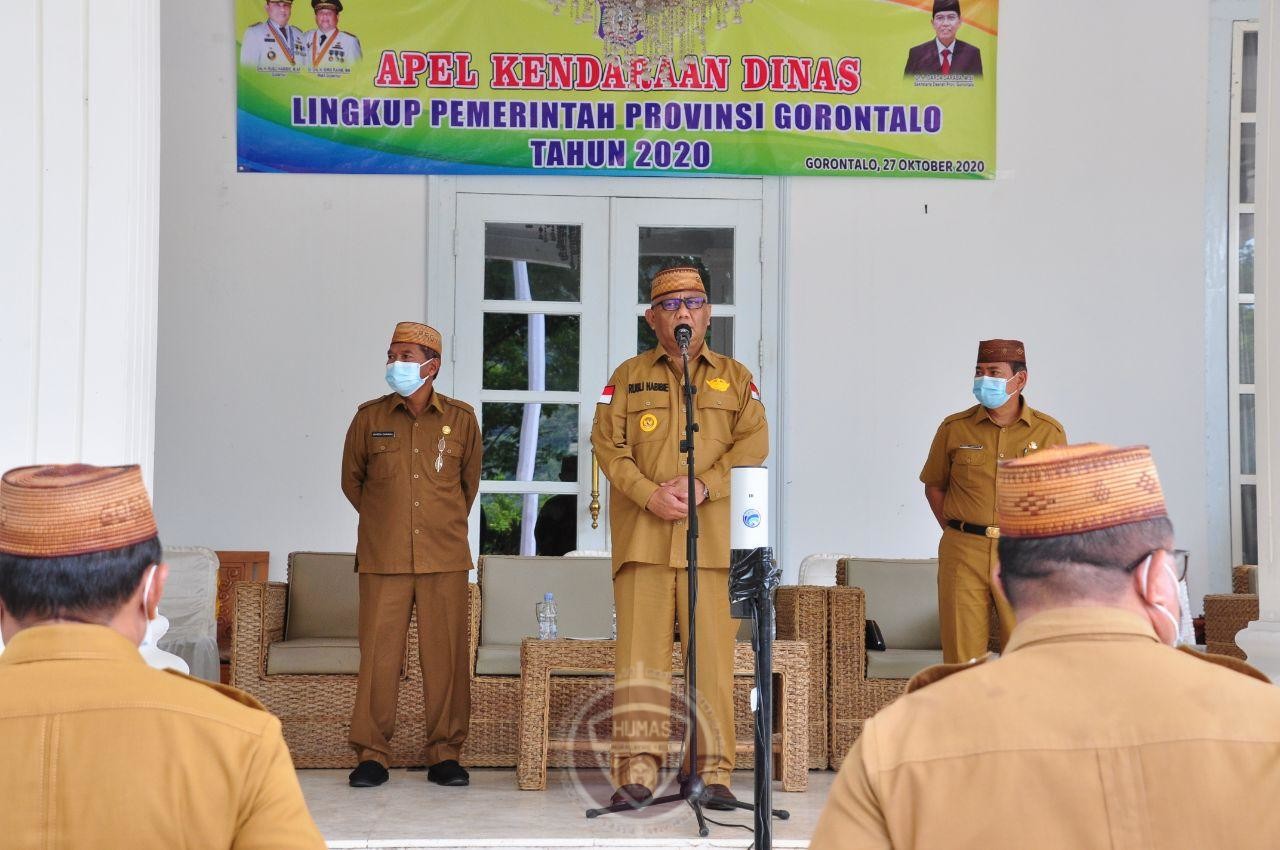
(606, 397)
(755, 393)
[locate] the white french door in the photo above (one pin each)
(549, 297)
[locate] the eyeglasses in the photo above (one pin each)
(693, 302)
(1180, 562)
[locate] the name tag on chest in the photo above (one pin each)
(648, 387)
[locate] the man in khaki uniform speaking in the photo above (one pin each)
(1091, 730)
(960, 485)
(638, 428)
(411, 468)
(101, 750)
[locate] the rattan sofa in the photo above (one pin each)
(315, 708)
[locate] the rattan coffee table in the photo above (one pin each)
(539, 659)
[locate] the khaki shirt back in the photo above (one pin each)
(413, 517)
(966, 450)
(637, 434)
(101, 750)
(1088, 733)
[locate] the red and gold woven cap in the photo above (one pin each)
(1001, 351)
(680, 279)
(1074, 489)
(419, 334)
(75, 509)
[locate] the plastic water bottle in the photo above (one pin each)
(546, 610)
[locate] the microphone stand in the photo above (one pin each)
(692, 790)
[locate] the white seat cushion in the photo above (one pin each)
(511, 585)
(900, 663)
(819, 568)
(498, 660)
(902, 597)
(310, 656)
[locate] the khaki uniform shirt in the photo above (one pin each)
(966, 449)
(1088, 733)
(278, 51)
(637, 432)
(101, 750)
(413, 482)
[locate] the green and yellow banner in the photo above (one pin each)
(868, 88)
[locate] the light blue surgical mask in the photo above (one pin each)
(403, 377)
(990, 392)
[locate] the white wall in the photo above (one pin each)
(79, 185)
(278, 294)
(1089, 246)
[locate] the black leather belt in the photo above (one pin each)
(992, 531)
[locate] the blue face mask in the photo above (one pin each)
(990, 392)
(404, 378)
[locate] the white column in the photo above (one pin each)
(1261, 640)
(79, 217)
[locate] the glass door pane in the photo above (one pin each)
(719, 238)
(529, 314)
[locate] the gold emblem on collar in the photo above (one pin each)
(718, 384)
(446, 430)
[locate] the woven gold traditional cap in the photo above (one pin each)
(419, 334)
(1001, 351)
(1074, 489)
(52, 511)
(680, 279)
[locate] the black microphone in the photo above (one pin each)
(684, 334)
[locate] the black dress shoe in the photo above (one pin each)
(633, 794)
(448, 772)
(367, 774)
(718, 797)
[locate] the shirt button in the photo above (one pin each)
(1001, 454)
(648, 403)
(415, 531)
(415, 424)
(415, 504)
(415, 475)
(415, 451)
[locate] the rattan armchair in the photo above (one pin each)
(315, 709)
(855, 697)
(1225, 614)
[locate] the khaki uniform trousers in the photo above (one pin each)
(648, 598)
(386, 602)
(965, 566)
